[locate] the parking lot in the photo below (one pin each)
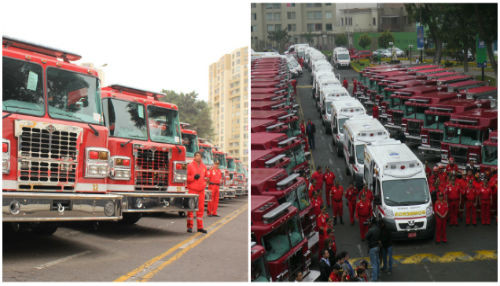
(473, 249)
(157, 248)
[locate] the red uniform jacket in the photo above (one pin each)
(214, 176)
(484, 194)
(368, 194)
(311, 190)
(441, 207)
(363, 208)
(302, 128)
(350, 194)
(329, 178)
(345, 84)
(375, 111)
(321, 221)
(493, 184)
(470, 194)
(193, 169)
(337, 193)
(450, 168)
(452, 192)
(318, 176)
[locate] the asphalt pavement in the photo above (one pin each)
(157, 248)
(469, 255)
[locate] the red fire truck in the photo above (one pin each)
(242, 177)
(465, 133)
(147, 158)
(277, 228)
(291, 120)
(232, 182)
(270, 159)
(292, 147)
(489, 153)
(190, 141)
(461, 85)
(224, 190)
(54, 155)
(483, 92)
(268, 125)
(436, 116)
(288, 188)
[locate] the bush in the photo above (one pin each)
(430, 52)
(448, 64)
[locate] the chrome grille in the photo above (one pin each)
(47, 157)
(151, 169)
(459, 154)
(414, 128)
(435, 139)
(396, 118)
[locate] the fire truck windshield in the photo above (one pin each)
(22, 87)
(190, 141)
(415, 111)
(281, 240)
(125, 119)
(222, 160)
(465, 136)
(490, 155)
(405, 192)
(302, 197)
(164, 125)
(73, 96)
(435, 121)
(231, 165)
(360, 153)
(206, 156)
(294, 126)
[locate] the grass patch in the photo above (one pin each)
(491, 80)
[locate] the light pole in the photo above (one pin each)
(409, 52)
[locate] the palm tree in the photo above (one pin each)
(280, 37)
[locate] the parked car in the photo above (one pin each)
(399, 52)
(362, 55)
(382, 53)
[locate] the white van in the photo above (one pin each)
(327, 95)
(341, 58)
(326, 72)
(342, 111)
(322, 83)
(401, 193)
(358, 132)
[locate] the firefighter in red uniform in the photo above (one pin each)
(294, 84)
(452, 167)
(354, 87)
(312, 189)
(301, 62)
(433, 182)
(196, 172)
(363, 212)
(329, 178)
(322, 228)
(493, 185)
(453, 201)
(302, 128)
(345, 84)
(316, 202)
(367, 192)
(470, 204)
(318, 178)
(350, 196)
(485, 197)
(443, 176)
(214, 176)
(462, 187)
(441, 211)
(337, 194)
(375, 111)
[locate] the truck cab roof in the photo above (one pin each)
(365, 129)
(267, 114)
(135, 94)
(262, 175)
(478, 118)
(348, 107)
(414, 90)
(264, 140)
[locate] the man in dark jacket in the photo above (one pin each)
(325, 268)
(373, 239)
(386, 250)
(310, 130)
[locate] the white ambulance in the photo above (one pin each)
(358, 132)
(402, 198)
(323, 82)
(327, 95)
(342, 110)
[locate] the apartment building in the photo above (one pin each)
(228, 101)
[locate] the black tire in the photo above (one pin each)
(131, 218)
(45, 228)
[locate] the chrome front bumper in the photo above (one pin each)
(40, 207)
(427, 149)
(158, 202)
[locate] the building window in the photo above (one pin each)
(342, 21)
(374, 21)
(290, 15)
(292, 27)
(254, 16)
(269, 16)
(313, 5)
(270, 28)
(278, 27)
(310, 27)
(254, 5)
(350, 21)
(328, 27)
(328, 4)
(273, 6)
(318, 27)
(277, 16)
(328, 15)
(314, 15)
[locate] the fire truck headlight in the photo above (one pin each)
(93, 170)
(109, 208)
(5, 156)
(97, 164)
(120, 168)
(103, 170)
(180, 172)
(429, 211)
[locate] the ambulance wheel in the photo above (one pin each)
(131, 218)
(45, 228)
(182, 214)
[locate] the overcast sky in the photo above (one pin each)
(151, 45)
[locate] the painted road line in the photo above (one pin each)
(149, 263)
(304, 86)
(64, 259)
(153, 272)
(448, 257)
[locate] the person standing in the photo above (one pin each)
(346, 266)
(363, 212)
(214, 180)
(373, 239)
(318, 178)
(312, 189)
(354, 87)
(386, 250)
(451, 168)
(329, 178)
(324, 266)
(441, 211)
(302, 128)
(375, 111)
(337, 194)
(310, 130)
(345, 83)
(453, 195)
(367, 192)
(316, 203)
(322, 228)
(196, 183)
(350, 196)
(470, 204)
(485, 197)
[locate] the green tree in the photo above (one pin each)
(280, 37)
(486, 15)
(365, 41)
(340, 40)
(309, 37)
(192, 110)
(384, 39)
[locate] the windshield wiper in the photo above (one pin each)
(93, 129)
(123, 144)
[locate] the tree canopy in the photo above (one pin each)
(340, 40)
(384, 39)
(280, 37)
(365, 41)
(192, 110)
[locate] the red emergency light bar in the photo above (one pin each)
(136, 91)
